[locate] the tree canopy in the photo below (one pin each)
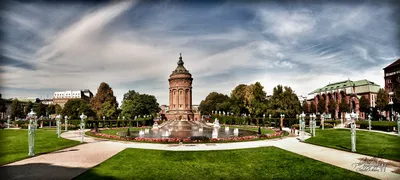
(364, 104)
(284, 101)
(382, 100)
(16, 109)
(135, 104)
(105, 103)
(215, 102)
(75, 107)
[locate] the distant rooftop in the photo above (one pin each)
(345, 84)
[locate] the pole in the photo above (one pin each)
(322, 122)
(369, 122)
(353, 133)
(8, 122)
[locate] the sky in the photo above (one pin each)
(135, 45)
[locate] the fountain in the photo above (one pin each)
(236, 132)
(141, 133)
(146, 131)
(155, 126)
(165, 133)
(216, 123)
(215, 133)
(226, 129)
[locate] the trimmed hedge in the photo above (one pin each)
(378, 125)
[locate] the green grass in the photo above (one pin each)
(256, 163)
(14, 144)
(114, 131)
(263, 130)
(368, 143)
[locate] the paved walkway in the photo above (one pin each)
(70, 162)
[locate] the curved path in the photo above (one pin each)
(70, 162)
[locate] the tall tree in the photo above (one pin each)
(321, 106)
(40, 109)
(284, 100)
(105, 94)
(28, 107)
(16, 109)
(382, 100)
(344, 106)
(238, 99)
(75, 107)
(212, 100)
(254, 99)
(139, 104)
(313, 108)
(3, 106)
(51, 109)
(364, 104)
(58, 109)
(332, 107)
(306, 107)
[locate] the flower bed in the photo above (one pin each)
(277, 134)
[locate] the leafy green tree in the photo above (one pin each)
(51, 109)
(212, 100)
(135, 104)
(238, 99)
(75, 107)
(16, 109)
(40, 109)
(105, 94)
(382, 100)
(58, 109)
(344, 106)
(332, 107)
(254, 98)
(284, 100)
(28, 107)
(306, 107)
(3, 106)
(321, 106)
(364, 104)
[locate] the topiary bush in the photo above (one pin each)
(327, 125)
(297, 126)
(378, 125)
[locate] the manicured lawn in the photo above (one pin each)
(257, 163)
(14, 144)
(114, 131)
(368, 143)
(263, 130)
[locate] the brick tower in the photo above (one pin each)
(180, 94)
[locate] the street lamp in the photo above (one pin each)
(391, 103)
(8, 121)
(322, 121)
(369, 122)
(104, 121)
(32, 132)
(83, 117)
(281, 125)
(353, 116)
(66, 122)
(58, 125)
(398, 123)
(302, 126)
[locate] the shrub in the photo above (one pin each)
(327, 125)
(199, 138)
(378, 125)
(296, 126)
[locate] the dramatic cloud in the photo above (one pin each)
(135, 45)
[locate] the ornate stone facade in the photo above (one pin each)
(180, 94)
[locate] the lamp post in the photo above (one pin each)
(8, 121)
(391, 103)
(66, 122)
(353, 131)
(302, 126)
(58, 125)
(104, 121)
(398, 124)
(32, 132)
(281, 125)
(314, 124)
(310, 123)
(83, 117)
(369, 122)
(322, 121)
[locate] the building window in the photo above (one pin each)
(180, 92)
